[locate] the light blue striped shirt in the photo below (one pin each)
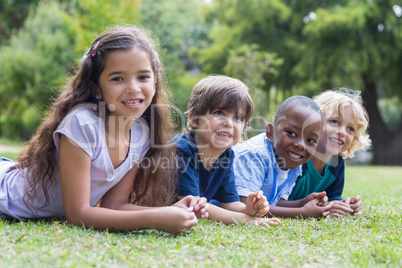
(256, 168)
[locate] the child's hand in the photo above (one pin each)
(175, 220)
(198, 205)
(322, 197)
(201, 208)
(257, 204)
(263, 221)
(316, 209)
(355, 203)
(338, 209)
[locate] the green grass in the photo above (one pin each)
(370, 240)
(10, 155)
(8, 142)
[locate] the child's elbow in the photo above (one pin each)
(76, 218)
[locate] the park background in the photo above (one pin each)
(278, 48)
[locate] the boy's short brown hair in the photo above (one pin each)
(219, 92)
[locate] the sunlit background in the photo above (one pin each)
(277, 47)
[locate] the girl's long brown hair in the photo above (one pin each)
(153, 185)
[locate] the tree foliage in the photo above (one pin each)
(12, 16)
(323, 45)
(38, 57)
(277, 47)
(33, 64)
(178, 26)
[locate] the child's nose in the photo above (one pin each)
(341, 131)
(300, 145)
(228, 121)
(133, 86)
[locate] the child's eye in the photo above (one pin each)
(291, 133)
(218, 112)
(333, 121)
(238, 118)
(144, 77)
(118, 78)
(313, 141)
(351, 129)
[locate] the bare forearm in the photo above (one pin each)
(291, 204)
(131, 207)
(234, 206)
(286, 212)
(104, 218)
(226, 216)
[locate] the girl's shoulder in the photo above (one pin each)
(84, 127)
(83, 115)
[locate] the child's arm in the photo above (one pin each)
(231, 217)
(115, 213)
(301, 202)
(311, 209)
(315, 205)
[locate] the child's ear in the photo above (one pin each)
(98, 95)
(193, 121)
(270, 132)
(96, 92)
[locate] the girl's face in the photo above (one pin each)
(127, 84)
(338, 133)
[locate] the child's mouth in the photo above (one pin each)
(132, 102)
(336, 141)
(294, 156)
(225, 134)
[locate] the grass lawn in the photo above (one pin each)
(8, 142)
(370, 240)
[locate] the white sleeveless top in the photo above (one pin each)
(87, 130)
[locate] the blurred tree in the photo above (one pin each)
(255, 68)
(12, 16)
(359, 45)
(33, 64)
(323, 44)
(38, 57)
(92, 17)
(178, 26)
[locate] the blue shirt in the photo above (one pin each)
(256, 168)
(194, 179)
(332, 180)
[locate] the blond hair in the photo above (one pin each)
(334, 102)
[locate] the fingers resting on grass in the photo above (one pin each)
(263, 221)
(338, 209)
